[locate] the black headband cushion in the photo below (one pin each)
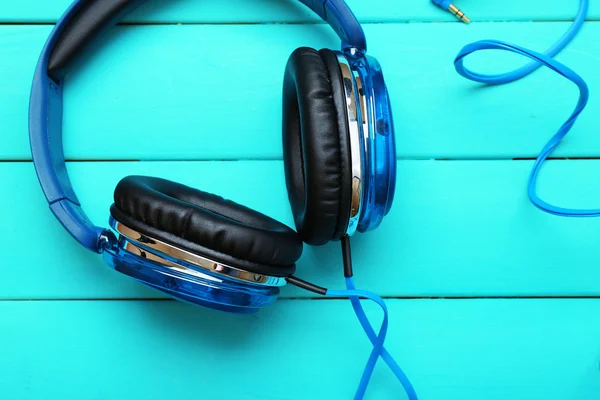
(206, 224)
(316, 145)
(89, 20)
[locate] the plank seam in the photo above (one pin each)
(167, 160)
(407, 298)
(308, 22)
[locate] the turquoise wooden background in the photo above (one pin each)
(489, 298)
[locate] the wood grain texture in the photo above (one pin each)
(150, 84)
(457, 228)
(451, 349)
(261, 11)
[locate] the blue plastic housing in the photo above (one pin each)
(379, 151)
(201, 288)
(339, 16)
(45, 134)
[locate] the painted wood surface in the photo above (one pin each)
(452, 350)
(458, 228)
(185, 73)
(198, 83)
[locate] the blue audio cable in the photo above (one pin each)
(539, 59)
(378, 349)
(558, 136)
(376, 339)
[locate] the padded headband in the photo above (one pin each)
(82, 22)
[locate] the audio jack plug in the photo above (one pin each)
(447, 5)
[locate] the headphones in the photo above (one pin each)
(340, 168)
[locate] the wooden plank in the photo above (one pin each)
(110, 113)
(288, 11)
(457, 228)
(451, 349)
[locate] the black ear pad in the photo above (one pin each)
(316, 145)
(206, 224)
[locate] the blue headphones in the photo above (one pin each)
(340, 167)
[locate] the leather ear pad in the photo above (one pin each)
(316, 145)
(206, 224)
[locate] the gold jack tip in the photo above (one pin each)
(459, 14)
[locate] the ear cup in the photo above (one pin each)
(206, 224)
(316, 145)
